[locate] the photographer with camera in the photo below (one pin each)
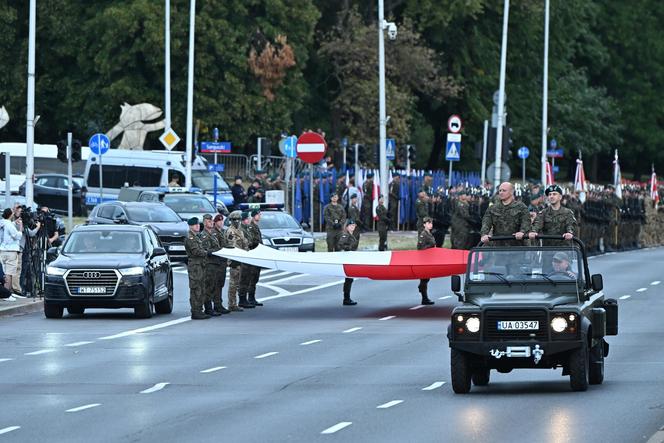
(30, 230)
(52, 229)
(9, 246)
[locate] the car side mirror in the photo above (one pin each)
(597, 282)
(456, 283)
(52, 254)
(158, 250)
(121, 220)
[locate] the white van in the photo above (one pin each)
(46, 159)
(121, 167)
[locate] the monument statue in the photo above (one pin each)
(133, 126)
(4, 117)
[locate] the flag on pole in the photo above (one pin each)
(375, 194)
(580, 177)
(359, 184)
(297, 211)
(617, 178)
(549, 174)
(654, 193)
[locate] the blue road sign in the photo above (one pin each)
(524, 152)
(390, 149)
(218, 147)
(453, 150)
(99, 144)
(290, 146)
(215, 167)
(553, 144)
(555, 153)
(344, 142)
(215, 134)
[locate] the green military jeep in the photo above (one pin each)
(530, 307)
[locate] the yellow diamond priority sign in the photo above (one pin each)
(169, 139)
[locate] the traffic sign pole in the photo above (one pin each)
(523, 170)
(101, 179)
(449, 179)
(70, 197)
(311, 198)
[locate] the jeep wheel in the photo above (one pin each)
(596, 371)
(578, 368)
(481, 376)
(52, 311)
(460, 372)
(166, 306)
(75, 310)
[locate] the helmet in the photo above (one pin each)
(235, 216)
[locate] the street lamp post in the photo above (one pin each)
(545, 91)
(382, 118)
(190, 94)
(30, 129)
(501, 96)
(167, 65)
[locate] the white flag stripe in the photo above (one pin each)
(311, 147)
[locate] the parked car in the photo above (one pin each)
(185, 203)
(52, 190)
(109, 266)
(279, 229)
(168, 226)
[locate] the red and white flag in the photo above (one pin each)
(580, 177)
(375, 194)
(654, 193)
(549, 174)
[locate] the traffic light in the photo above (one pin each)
(412, 153)
(350, 154)
(362, 155)
(508, 143)
(76, 150)
(62, 151)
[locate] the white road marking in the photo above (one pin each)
(41, 351)
(83, 408)
(9, 429)
(266, 271)
(641, 289)
(310, 342)
(625, 297)
(415, 308)
(389, 317)
(348, 331)
(445, 297)
(267, 354)
(215, 369)
(282, 293)
(337, 427)
(280, 274)
(147, 328)
(292, 277)
(389, 404)
(155, 388)
(5, 359)
(78, 343)
(655, 283)
(434, 385)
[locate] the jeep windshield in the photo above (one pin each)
(526, 265)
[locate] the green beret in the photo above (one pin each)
(246, 214)
(255, 212)
(192, 221)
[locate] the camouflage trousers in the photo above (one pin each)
(382, 238)
(234, 286)
(196, 287)
(215, 277)
(248, 279)
(332, 239)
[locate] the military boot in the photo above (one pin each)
(209, 311)
(253, 301)
(347, 300)
(199, 316)
(244, 303)
(218, 307)
(425, 297)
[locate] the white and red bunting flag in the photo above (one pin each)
(549, 174)
(580, 177)
(375, 194)
(617, 177)
(654, 192)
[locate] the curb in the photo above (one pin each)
(26, 308)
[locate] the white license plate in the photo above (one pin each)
(176, 248)
(92, 290)
(290, 248)
(520, 325)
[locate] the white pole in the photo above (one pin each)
(167, 65)
(30, 130)
(259, 150)
(8, 186)
(357, 161)
(70, 197)
(190, 95)
(545, 91)
(501, 96)
(484, 145)
(382, 118)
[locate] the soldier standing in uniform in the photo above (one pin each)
(354, 214)
(348, 242)
(555, 219)
(220, 279)
(197, 257)
(425, 240)
(382, 224)
(335, 218)
(235, 239)
(507, 217)
(367, 197)
(211, 245)
(255, 238)
(395, 200)
(421, 209)
(257, 197)
(461, 222)
(246, 270)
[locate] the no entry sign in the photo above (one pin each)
(311, 147)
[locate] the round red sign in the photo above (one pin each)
(311, 147)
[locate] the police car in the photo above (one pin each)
(279, 229)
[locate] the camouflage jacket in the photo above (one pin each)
(235, 238)
(461, 218)
(425, 240)
(422, 210)
(348, 242)
(253, 235)
(506, 219)
(367, 190)
(211, 244)
(395, 192)
(221, 241)
(383, 217)
(354, 214)
(195, 247)
(551, 222)
(335, 217)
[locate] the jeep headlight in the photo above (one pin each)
(267, 242)
(307, 240)
(473, 324)
(136, 270)
(559, 324)
(52, 270)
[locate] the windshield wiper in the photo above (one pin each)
(497, 274)
(543, 275)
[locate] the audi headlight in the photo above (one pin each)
(136, 270)
(267, 242)
(558, 324)
(473, 324)
(52, 270)
(307, 240)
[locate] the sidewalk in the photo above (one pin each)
(20, 306)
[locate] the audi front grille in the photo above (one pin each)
(92, 282)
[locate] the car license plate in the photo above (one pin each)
(176, 248)
(520, 325)
(290, 248)
(92, 290)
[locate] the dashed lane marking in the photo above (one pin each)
(444, 297)
(5, 359)
(84, 407)
(215, 369)
(337, 427)
(655, 283)
(267, 354)
(434, 385)
(310, 342)
(78, 343)
(641, 289)
(147, 328)
(348, 331)
(415, 308)
(9, 429)
(41, 351)
(389, 317)
(625, 297)
(155, 388)
(389, 404)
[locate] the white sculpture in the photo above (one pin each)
(132, 125)
(4, 117)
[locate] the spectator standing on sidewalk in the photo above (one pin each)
(10, 246)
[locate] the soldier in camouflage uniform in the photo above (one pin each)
(197, 257)
(421, 209)
(395, 200)
(257, 197)
(212, 266)
(235, 239)
(335, 219)
(555, 219)
(425, 240)
(348, 242)
(507, 217)
(613, 204)
(246, 270)
(220, 280)
(461, 223)
(354, 214)
(367, 198)
(382, 224)
(254, 272)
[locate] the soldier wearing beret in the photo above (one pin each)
(382, 223)
(213, 267)
(254, 236)
(555, 219)
(235, 239)
(425, 240)
(354, 214)
(461, 222)
(220, 280)
(395, 200)
(257, 197)
(367, 197)
(335, 219)
(197, 259)
(348, 242)
(246, 270)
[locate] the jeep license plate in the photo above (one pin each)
(290, 248)
(520, 325)
(92, 290)
(176, 248)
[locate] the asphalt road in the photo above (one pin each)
(303, 368)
